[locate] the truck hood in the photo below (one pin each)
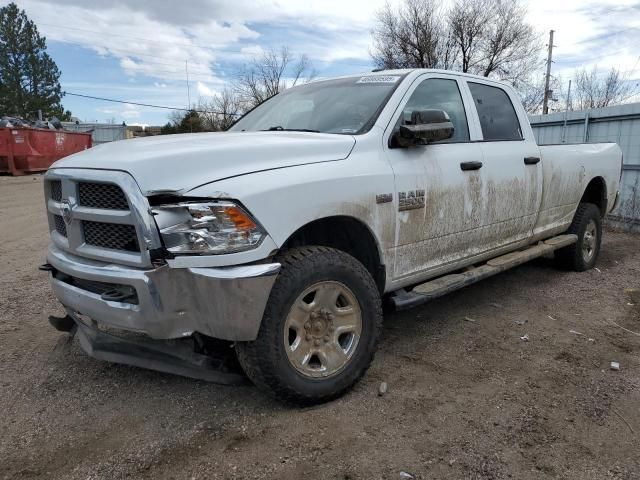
(179, 163)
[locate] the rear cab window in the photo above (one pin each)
(498, 118)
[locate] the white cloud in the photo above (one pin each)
(252, 50)
(153, 40)
(589, 32)
(130, 111)
(106, 111)
(144, 44)
(204, 90)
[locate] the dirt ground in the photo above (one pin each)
(466, 399)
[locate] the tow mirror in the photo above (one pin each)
(424, 126)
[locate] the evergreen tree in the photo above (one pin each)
(29, 78)
(190, 123)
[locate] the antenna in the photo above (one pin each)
(186, 69)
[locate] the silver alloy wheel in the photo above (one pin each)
(322, 330)
(589, 241)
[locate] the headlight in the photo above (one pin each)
(207, 228)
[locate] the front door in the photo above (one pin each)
(440, 205)
(464, 196)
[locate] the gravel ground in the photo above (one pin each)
(466, 398)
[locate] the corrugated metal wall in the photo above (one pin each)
(619, 124)
(101, 132)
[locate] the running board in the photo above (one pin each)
(403, 299)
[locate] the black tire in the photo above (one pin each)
(265, 359)
(574, 257)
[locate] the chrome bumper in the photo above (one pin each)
(225, 303)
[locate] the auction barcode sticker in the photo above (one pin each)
(379, 79)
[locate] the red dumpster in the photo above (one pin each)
(24, 150)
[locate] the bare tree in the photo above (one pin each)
(531, 90)
(511, 47)
(486, 37)
(413, 35)
(595, 91)
(221, 110)
(269, 74)
(467, 21)
(532, 95)
(264, 77)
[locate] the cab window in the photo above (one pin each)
(498, 118)
(440, 94)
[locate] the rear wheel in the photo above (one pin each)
(583, 254)
(319, 330)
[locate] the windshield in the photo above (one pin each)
(345, 105)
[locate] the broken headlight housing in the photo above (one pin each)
(215, 227)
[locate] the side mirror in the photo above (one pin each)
(424, 126)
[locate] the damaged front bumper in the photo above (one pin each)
(170, 356)
(164, 303)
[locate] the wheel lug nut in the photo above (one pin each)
(307, 326)
(308, 338)
(326, 338)
(316, 342)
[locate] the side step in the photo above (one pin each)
(403, 299)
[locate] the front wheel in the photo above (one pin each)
(582, 255)
(320, 328)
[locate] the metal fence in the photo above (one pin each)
(100, 132)
(619, 124)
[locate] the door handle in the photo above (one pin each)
(531, 160)
(471, 165)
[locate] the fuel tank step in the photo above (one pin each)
(403, 299)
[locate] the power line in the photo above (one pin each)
(150, 105)
(624, 99)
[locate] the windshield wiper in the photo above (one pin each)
(282, 129)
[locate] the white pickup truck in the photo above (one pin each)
(279, 240)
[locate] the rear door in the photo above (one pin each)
(512, 167)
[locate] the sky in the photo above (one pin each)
(140, 51)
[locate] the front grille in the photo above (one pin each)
(110, 235)
(56, 190)
(111, 220)
(61, 227)
(101, 195)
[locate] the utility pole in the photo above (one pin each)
(566, 109)
(547, 93)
